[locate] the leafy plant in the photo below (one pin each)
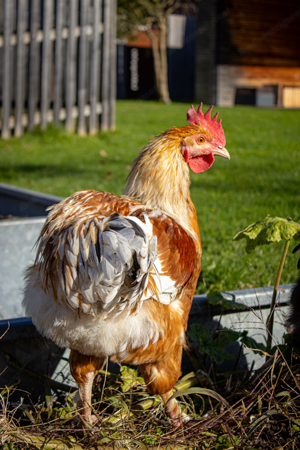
(153, 439)
(216, 298)
(261, 410)
(252, 344)
(226, 442)
(130, 378)
(266, 231)
(212, 342)
(212, 345)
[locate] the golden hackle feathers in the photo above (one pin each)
(159, 177)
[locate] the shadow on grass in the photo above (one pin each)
(55, 170)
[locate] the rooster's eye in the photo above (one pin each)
(200, 140)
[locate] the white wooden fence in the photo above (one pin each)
(58, 64)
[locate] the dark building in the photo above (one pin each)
(248, 52)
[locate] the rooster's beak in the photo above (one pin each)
(221, 151)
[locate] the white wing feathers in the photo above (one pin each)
(99, 265)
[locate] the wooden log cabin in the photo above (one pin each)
(248, 52)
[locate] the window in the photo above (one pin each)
(291, 97)
(245, 96)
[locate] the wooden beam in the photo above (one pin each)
(40, 35)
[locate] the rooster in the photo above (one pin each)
(115, 275)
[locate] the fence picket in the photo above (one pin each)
(33, 64)
(46, 63)
(95, 75)
(71, 65)
(105, 67)
(113, 64)
(58, 61)
(6, 78)
(83, 63)
(20, 70)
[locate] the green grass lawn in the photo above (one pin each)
(262, 177)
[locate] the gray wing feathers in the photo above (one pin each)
(102, 264)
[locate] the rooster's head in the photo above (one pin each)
(160, 177)
(199, 149)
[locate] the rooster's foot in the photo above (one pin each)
(88, 420)
(180, 421)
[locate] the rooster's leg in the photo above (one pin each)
(173, 410)
(160, 378)
(84, 368)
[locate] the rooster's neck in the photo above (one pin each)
(159, 178)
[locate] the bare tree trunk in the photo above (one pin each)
(160, 59)
(164, 61)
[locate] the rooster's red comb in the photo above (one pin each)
(198, 118)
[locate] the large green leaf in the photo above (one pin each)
(211, 344)
(130, 378)
(216, 298)
(268, 230)
(256, 347)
